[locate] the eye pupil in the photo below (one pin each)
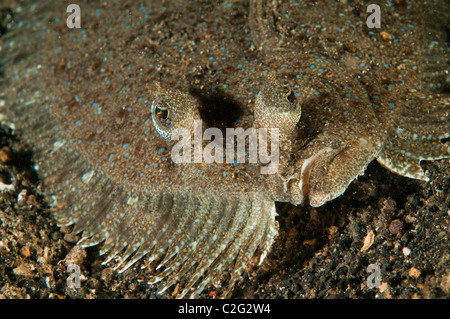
(161, 114)
(291, 97)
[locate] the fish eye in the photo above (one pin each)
(162, 113)
(290, 97)
(161, 117)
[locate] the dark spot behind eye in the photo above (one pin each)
(217, 109)
(291, 98)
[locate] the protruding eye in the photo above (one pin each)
(161, 113)
(173, 112)
(277, 106)
(291, 98)
(161, 117)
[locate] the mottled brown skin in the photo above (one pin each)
(84, 99)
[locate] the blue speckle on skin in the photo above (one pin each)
(126, 155)
(391, 104)
(125, 145)
(160, 151)
(78, 123)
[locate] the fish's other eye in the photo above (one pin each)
(290, 97)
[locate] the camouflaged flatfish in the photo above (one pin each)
(100, 105)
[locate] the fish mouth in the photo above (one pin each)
(304, 182)
(327, 173)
